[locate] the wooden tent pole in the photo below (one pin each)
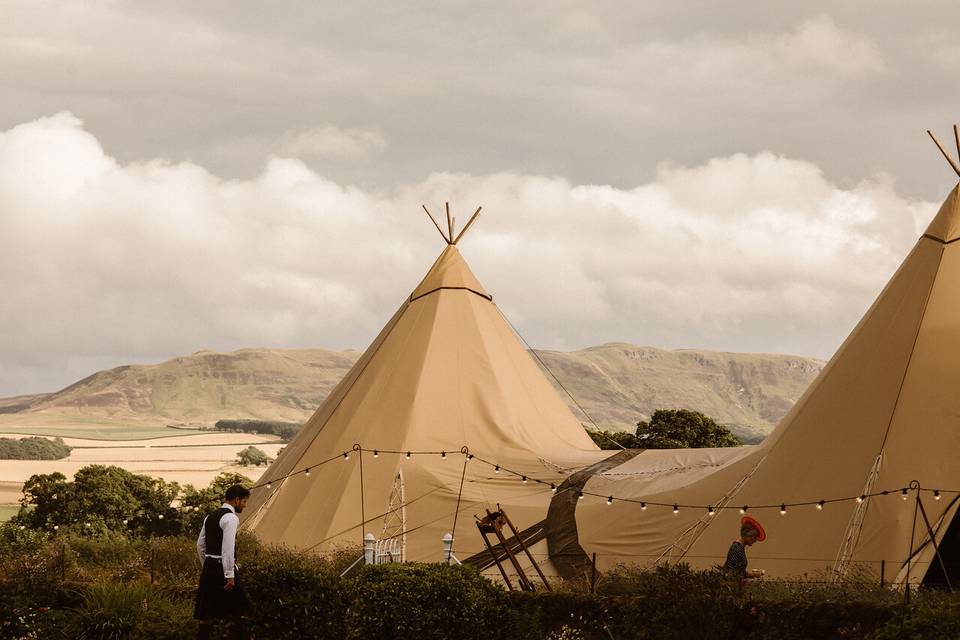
(469, 222)
(439, 230)
(956, 137)
(945, 154)
(449, 224)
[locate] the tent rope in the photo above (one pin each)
(543, 364)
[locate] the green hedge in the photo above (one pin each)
(115, 587)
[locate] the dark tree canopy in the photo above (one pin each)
(33, 448)
(671, 429)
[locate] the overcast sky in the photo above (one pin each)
(736, 176)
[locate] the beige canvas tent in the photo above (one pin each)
(448, 372)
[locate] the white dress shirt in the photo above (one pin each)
(228, 523)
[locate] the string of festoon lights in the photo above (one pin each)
(676, 507)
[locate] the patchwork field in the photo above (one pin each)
(187, 459)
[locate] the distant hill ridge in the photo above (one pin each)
(617, 384)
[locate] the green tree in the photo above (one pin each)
(252, 457)
(100, 497)
(683, 429)
(197, 503)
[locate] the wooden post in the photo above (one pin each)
(469, 222)
(943, 151)
(593, 573)
(433, 220)
(449, 223)
(883, 570)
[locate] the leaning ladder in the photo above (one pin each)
(493, 523)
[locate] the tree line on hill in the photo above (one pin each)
(33, 448)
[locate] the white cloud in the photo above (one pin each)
(108, 261)
(819, 42)
(333, 142)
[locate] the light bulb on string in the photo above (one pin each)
(643, 506)
(936, 494)
(443, 455)
(743, 509)
(610, 500)
(496, 469)
(860, 498)
(553, 488)
(820, 505)
(903, 493)
(783, 509)
(524, 479)
(710, 510)
(676, 509)
(346, 455)
(408, 455)
(306, 472)
(376, 454)
(269, 484)
(580, 496)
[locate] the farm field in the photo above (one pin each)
(186, 459)
(99, 431)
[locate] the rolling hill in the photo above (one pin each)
(616, 384)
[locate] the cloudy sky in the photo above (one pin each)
(736, 176)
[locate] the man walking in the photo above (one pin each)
(220, 594)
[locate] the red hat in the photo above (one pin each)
(761, 534)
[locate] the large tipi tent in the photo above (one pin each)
(448, 372)
(884, 412)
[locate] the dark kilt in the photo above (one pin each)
(215, 602)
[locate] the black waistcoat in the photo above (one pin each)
(213, 534)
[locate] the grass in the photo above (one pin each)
(101, 432)
(7, 511)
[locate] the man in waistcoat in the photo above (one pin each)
(220, 595)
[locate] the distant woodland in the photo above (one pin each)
(286, 430)
(33, 448)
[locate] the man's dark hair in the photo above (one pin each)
(236, 491)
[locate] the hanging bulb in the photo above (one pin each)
(269, 485)
(820, 505)
(496, 469)
(580, 496)
(710, 510)
(783, 509)
(676, 509)
(553, 488)
(469, 456)
(306, 471)
(443, 455)
(643, 506)
(346, 455)
(376, 454)
(903, 493)
(743, 509)
(159, 517)
(408, 455)
(610, 500)
(524, 478)
(936, 494)
(860, 498)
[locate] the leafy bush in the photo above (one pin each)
(118, 611)
(423, 601)
(252, 457)
(294, 596)
(286, 430)
(669, 429)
